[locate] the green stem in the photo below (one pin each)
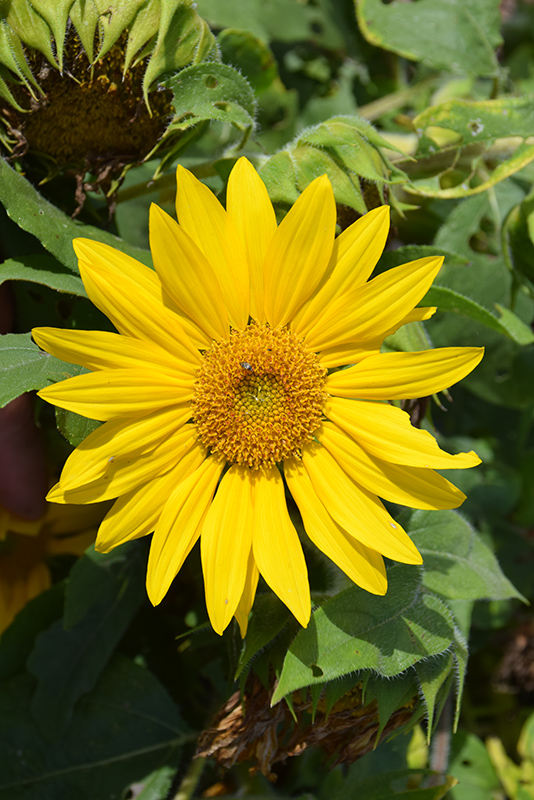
(393, 101)
(191, 779)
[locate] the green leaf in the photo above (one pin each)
(509, 324)
(459, 271)
(251, 56)
(56, 15)
(17, 641)
(409, 338)
(432, 675)
(158, 785)
(457, 564)
(390, 694)
(518, 238)
(269, 616)
(44, 270)
(30, 27)
(74, 427)
(277, 20)
(517, 330)
(206, 92)
(335, 690)
(54, 229)
(407, 784)
(183, 38)
(461, 655)
(67, 661)
(445, 34)
(471, 765)
(24, 367)
(481, 120)
(356, 630)
(122, 731)
(466, 147)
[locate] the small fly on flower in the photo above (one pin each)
(246, 365)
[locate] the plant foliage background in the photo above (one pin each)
(427, 105)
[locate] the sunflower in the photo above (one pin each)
(225, 384)
(26, 545)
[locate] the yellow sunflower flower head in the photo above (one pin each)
(218, 391)
(25, 546)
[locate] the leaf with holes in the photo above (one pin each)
(207, 92)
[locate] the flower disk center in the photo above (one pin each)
(259, 396)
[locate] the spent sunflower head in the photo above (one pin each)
(222, 387)
(79, 82)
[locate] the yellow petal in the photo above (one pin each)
(369, 311)
(251, 211)
(225, 546)
(119, 444)
(356, 510)
(299, 252)
(362, 565)
(247, 598)
(136, 513)
(125, 474)
(204, 219)
(386, 432)
(276, 545)
(354, 352)
(401, 376)
(350, 353)
(102, 350)
(408, 486)
(108, 394)
(355, 255)
(187, 276)
(178, 527)
(130, 295)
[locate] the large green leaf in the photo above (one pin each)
(17, 641)
(445, 34)
(54, 229)
(457, 563)
(509, 324)
(103, 596)
(446, 295)
(42, 269)
(24, 367)
(122, 731)
(356, 630)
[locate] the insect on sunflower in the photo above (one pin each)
(222, 387)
